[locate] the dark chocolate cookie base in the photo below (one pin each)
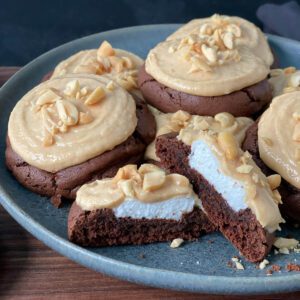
(248, 102)
(290, 208)
(101, 228)
(67, 181)
(241, 228)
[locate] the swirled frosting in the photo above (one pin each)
(251, 36)
(67, 120)
(279, 137)
(146, 184)
(219, 58)
(120, 65)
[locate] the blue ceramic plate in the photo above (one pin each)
(197, 266)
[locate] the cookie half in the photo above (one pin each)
(147, 205)
(225, 193)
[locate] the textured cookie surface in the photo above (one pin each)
(102, 228)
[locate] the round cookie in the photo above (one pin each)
(247, 102)
(107, 153)
(220, 67)
(290, 193)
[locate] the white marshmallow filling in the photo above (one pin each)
(170, 209)
(204, 161)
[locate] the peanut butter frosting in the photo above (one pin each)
(284, 80)
(194, 125)
(261, 195)
(67, 120)
(120, 65)
(247, 34)
(279, 137)
(147, 184)
(218, 58)
(199, 125)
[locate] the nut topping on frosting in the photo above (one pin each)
(147, 184)
(213, 45)
(72, 119)
(260, 196)
(228, 32)
(229, 144)
(174, 122)
(105, 50)
(229, 128)
(95, 97)
(211, 57)
(60, 111)
(285, 80)
(120, 65)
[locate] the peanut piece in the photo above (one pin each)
(96, 96)
(105, 50)
(226, 119)
(85, 118)
(274, 181)
(228, 144)
(153, 180)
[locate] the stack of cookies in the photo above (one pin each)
(202, 136)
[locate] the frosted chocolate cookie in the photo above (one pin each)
(120, 65)
(235, 194)
(73, 129)
(159, 206)
(274, 142)
(207, 73)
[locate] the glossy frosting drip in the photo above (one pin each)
(279, 137)
(66, 121)
(146, 184)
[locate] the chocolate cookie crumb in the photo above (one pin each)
(292, 267)
(276, 268)
(269, 272)
(56, 200)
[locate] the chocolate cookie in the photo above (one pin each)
(66, 182)
(241, 227)
(249, 101)
(290, 195)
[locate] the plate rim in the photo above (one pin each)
(174, 280)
